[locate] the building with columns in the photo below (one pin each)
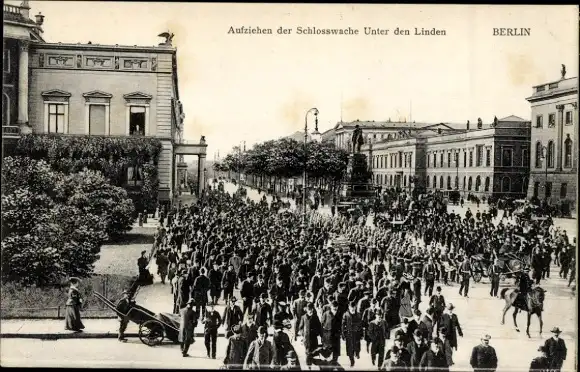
(484, 160)
(554, 140)
(94, 90)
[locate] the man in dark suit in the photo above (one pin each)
(187, 327)
(465, 273)
(263, 313)
(352, 332)
(483, 356)
(247, 293)
(429, 275)
(378, 333)
(310, 328)
(232, 316)
(236, 350)
(212, 322)
(494, 277)
(199, 291)
(416, 349)
(298, 310)
(556, 350)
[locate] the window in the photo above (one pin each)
(135, 175)
(382, 161)
(506, 156)
(434, 160)
(405, 180)
(464, 178)
(506, 184)
(539, 121)
(563, 190)
(469, 184)
(525, 184)
(449, 182)
(136, 121)
(97, 119)
(552, 85)
(464, 159)
(548, 191)
(448, 160)
(5, 109)
(391, 160)
(6, 60)
(441, 160)
(471, 159)
(538, 161)
(540, 88)
(391, 180)
(486, 184)
(525, 157)
(488, 157)
(427, 180)
(434, 182)
(441, 182)
(400, 158)
(56, 118)
(551, 120)
(456, 183)
(536, 189)
(568, 153)
(477, 183)
(410, 160)
(479, 156)
(568, 118)
(550, 155)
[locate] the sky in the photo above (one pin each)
(252, 88)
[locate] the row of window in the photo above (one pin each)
(468, 183)
(398, 160)
(568, 119)
(98, 117)
(548, 153)
(548, 190)
(452, 158)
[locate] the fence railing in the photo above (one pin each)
(14, 9)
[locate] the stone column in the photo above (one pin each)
(200, 175)
(575, 139)
(23, 83)
(560, 139)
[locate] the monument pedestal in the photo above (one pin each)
(357, 182)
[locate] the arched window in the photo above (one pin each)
(377, 178)
(427, 180)
(5, 109)
(391, 180)
(486, 184)
(464, 179)
(435, 182)
(477, 183)
(538, 154)
(389, 137)
(550, 155)
(456, 182)
(469, 184)
(441, 182)
(405, 180)
(506, 184)
(568, 152)
(449, 182)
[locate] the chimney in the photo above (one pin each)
(39, 19)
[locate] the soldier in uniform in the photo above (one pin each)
(465, 274)
(352, 332)
(212, 321)
(494, 277)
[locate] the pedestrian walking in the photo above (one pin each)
(74, 304)
(556, 350)
(445, 346)
(298, 310)
(212, 321)
(232, 316)
(434, 358)
(450, 323)
(378, 334)
(429, 275)
(331, 332)
(199, 290)
(188, 322)
(483, 356)
(394, 362)
(541, 363)
(229, 282)
(236, 350)
(465, 272)
(352, 332)
(416, 349)
(494, 273)
(310, 329)
(281, 342)
(261, 353)
(437, 303)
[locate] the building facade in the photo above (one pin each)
(554, 140)
(99, 90)
(490, 159)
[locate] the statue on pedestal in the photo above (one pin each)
(357, 139)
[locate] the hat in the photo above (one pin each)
(450, 306)
(264, 296)
(417, 332)
(405, 321)
(143, 252)
(278, 325)
(556, 330)
(291, 355)
(237, 328)
(438, 288)
(262, 330)
(486, 337)
(190, 301)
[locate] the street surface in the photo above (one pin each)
(478, 315)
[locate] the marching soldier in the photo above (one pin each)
(351, 332)
(494, 277)
(465, 273)
(212, 322)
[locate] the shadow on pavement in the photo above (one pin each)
(327, 366)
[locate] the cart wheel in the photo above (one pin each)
(477, 277)
(151, 333)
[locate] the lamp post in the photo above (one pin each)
(313, 110)
(544, 157)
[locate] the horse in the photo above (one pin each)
(534, 304)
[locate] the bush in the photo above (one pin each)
(42, 302)
(53, 224)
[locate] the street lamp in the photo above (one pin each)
(544, 157)
(313, 110)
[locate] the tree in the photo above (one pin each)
(53, 224)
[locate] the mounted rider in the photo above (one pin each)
(525, 287)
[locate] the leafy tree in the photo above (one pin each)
(53, 224)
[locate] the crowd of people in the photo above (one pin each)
(335, 281)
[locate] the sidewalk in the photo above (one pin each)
(94, 328)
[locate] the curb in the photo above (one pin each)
(84, 335)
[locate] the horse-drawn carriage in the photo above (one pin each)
(508, 264)
(153, 328)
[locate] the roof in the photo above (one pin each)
(555, 88)
(17, 17)
(91, 46)
(512, 118)
(297, 136)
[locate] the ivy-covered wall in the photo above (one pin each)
(109, 155)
